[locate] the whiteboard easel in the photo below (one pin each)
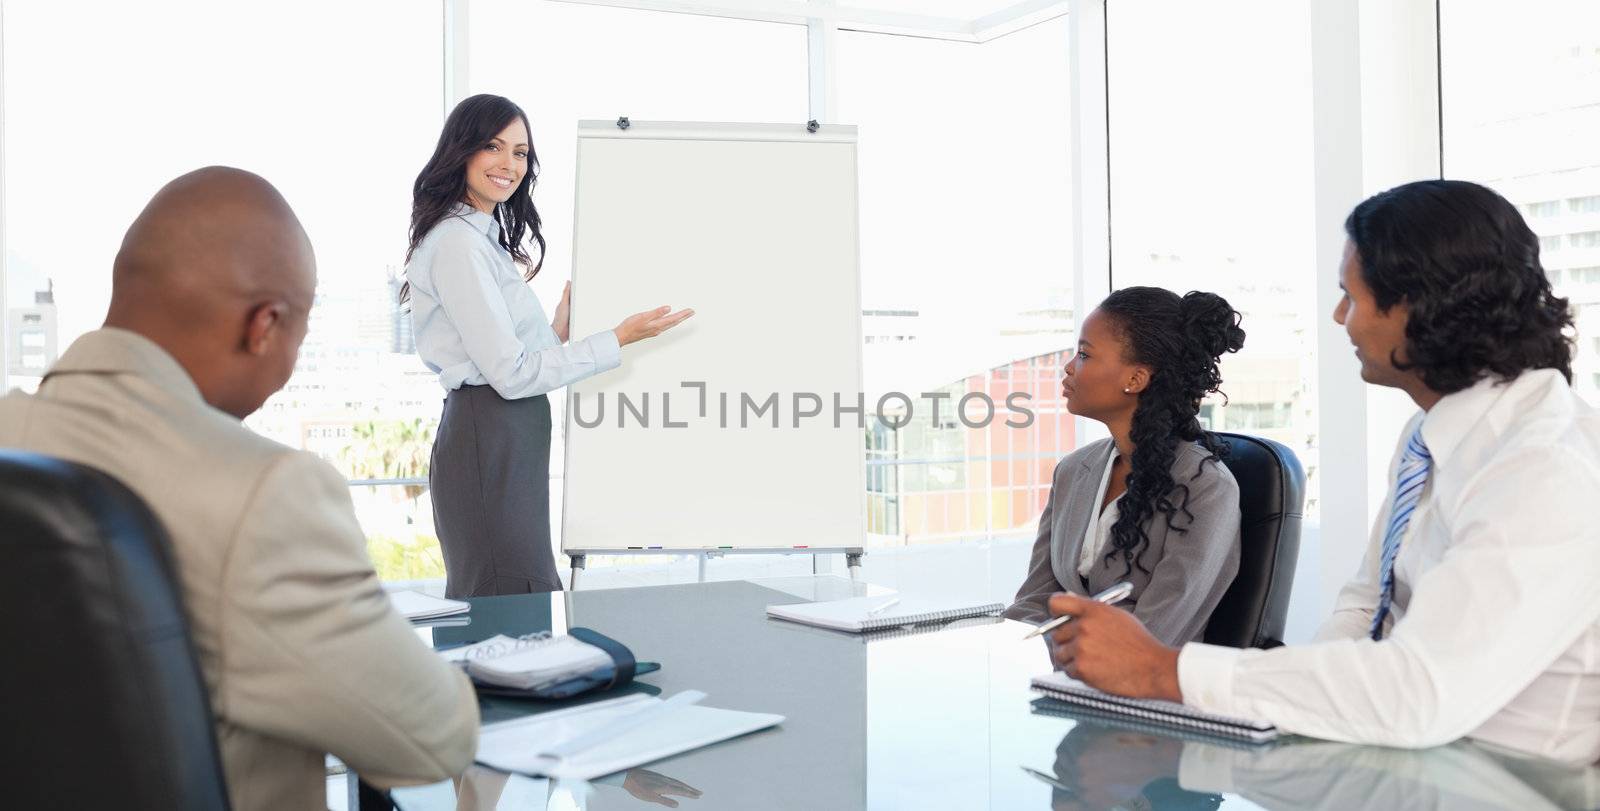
(755, 227)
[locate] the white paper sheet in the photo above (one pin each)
(514, 746)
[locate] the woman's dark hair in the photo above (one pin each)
(1181, 340)
(442, 183)
(1466, 265)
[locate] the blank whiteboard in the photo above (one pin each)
(755, 228)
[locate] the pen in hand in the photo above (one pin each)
(1110, 596)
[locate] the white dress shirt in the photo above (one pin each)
(477, 322)
(1495, 629)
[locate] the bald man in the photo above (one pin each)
(301, 651)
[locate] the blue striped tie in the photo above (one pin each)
(1409, 482)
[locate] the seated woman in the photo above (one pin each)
(1151, 505)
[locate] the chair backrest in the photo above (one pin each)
(101, 697)
(1272, 494)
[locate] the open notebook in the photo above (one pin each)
(859, 614)
(1061, 687)
(527, 662)
(414, 605)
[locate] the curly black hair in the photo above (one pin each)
(1181, 340)
(1466, 265)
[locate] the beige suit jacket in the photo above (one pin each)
(300, 648)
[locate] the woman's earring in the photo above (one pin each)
(1127, 391)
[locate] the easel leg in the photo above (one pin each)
(577, 566)
(852, 561)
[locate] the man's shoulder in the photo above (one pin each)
(236, 448)
(1538, 423)
(265, 466)
(1541, 410)
(166, 449)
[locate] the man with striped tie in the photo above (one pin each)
(1476, 612)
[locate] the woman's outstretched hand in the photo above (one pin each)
(649, 324)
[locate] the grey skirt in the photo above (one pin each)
(490, 480)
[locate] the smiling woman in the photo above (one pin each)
(482, 330)
(476, 137)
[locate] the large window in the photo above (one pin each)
(1520, 95)
(336, 104)
(965, 261)
(564, 63)
(965, 275)
(1211, 189)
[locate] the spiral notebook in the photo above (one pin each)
(860, 614)
(1068, 690)
(1055, 708)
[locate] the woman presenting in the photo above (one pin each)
(481, 329)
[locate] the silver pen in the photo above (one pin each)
(1110, 596)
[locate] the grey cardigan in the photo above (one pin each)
(1188, 570)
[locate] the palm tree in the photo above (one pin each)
(389, 449)
(395, 449)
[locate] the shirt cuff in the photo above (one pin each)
(1205, 768)
(607, 352)
(1205, 677)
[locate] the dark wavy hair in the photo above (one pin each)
(1181, 340)
(1466, 265)
(442, 183)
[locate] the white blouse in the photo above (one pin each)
(1098, 535)
(478, 322)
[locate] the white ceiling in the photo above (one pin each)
(961, 20)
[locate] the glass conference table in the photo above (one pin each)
(933, 720)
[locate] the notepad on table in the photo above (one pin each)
(1064, 688)
(859, 614)
(521, 745)
(528, 661)
(414, 605)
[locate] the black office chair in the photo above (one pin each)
(101, 699)
(1272, 493)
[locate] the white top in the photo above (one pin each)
(478, 323)
(1098, 534)
(1495, 629)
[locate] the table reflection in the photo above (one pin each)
(1108, 763)
(1098, 766)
